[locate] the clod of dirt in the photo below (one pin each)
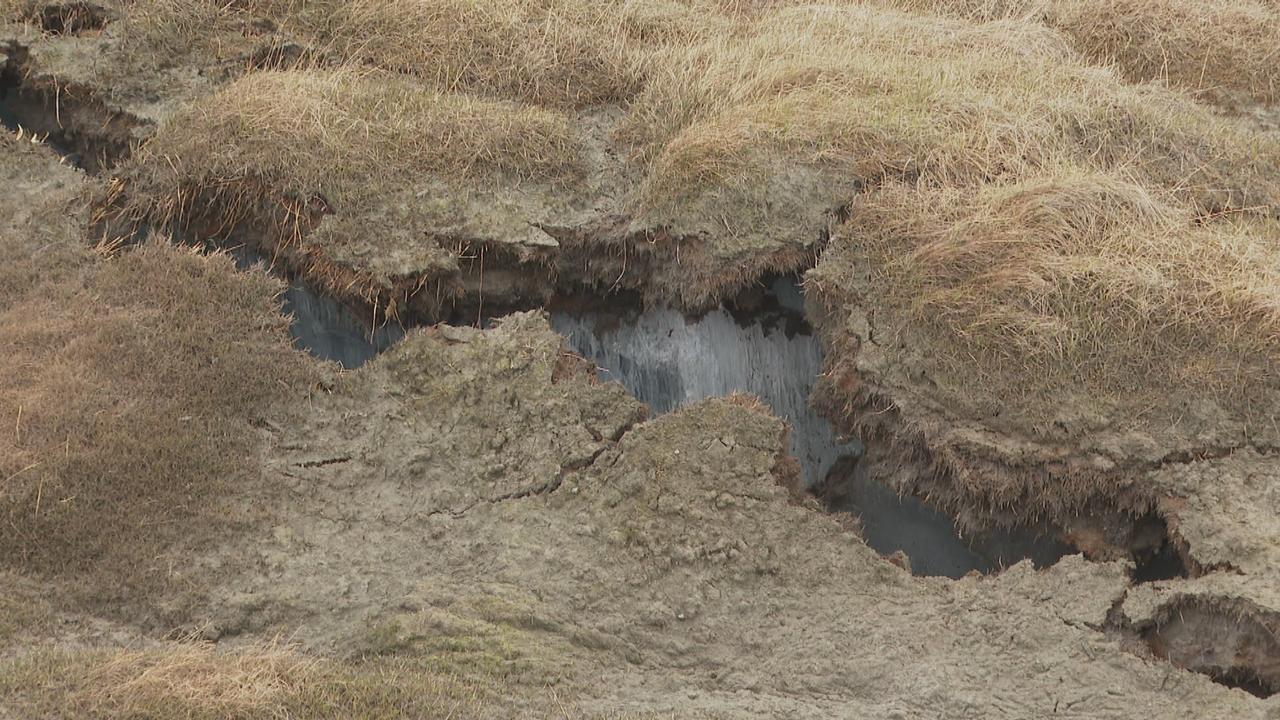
(1212, 627)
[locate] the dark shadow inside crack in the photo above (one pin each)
(1244, 679)
(323, 326)
(893, 523)
(1161, 562)
(72, 18)
(72, 123)
(22, 112)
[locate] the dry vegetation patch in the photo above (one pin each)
(196, 682)
(746, 126)
(1089, 283)
(876, 94)
(350, 135)
(128, 390)
(1225, 51)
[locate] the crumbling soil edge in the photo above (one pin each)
(1229, 639)
(600, 254)
(71, 116)
(1102, 513)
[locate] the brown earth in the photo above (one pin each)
(474, 508)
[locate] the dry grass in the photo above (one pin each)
(195, 682)
(24, 609)
(875, 95)
(348, 135)
(1086, 282)
(1038, 216)
(1224, 50)
(557, 52)
(17, 11)
(757, 118)
(127, 391)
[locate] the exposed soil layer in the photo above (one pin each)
(614, 554)
(759, 342)
(66, 115)
(1225, 637)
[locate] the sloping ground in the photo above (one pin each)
(683, 151)
(471, 518)
(129, 380)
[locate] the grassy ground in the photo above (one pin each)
(127, 390)
(1046, 213)
(195, 682)
(1224, 51)
(1086, 283)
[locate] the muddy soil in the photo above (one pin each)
(476, 494)
(479, 500)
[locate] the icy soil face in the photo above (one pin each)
(668, 360)
(321, 325)
(328, 329)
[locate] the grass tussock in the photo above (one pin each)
(351, 136)
(873, 94)
(1226, 51)
(195, 682)
(1081, 281)
(544, 51)
(127, 393)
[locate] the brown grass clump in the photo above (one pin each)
(1085, 282)
(562, 53)
(1223, 50)
(127, 390)
(873, 94)
(537, 50)
(347, 138)
(195, 682)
